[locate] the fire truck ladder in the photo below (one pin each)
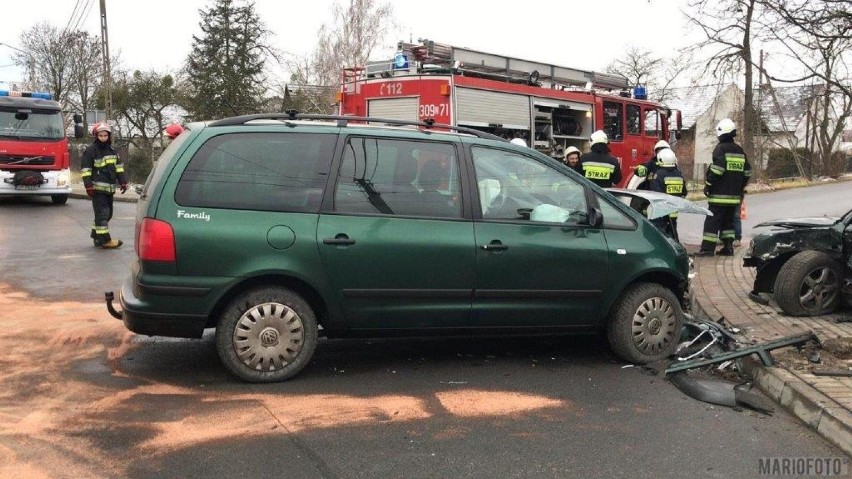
(467, 61)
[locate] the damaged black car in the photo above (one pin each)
(806, 263)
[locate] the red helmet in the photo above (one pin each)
(101, 126)
(172, 131)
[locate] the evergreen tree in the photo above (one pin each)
(225, 69)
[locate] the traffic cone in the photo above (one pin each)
(742, 210)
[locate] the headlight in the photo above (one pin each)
(750, 249)
(63, 178)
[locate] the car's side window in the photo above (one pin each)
(258, 171)
(516, 187)
(613, 218)
(398, 177)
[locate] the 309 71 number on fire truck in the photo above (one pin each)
(440, 109)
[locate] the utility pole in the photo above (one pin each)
(107, 84)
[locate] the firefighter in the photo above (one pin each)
(101, 171)
(726, 179)
(598, 165)
(572, 158)
(646, 170)
(667, 179)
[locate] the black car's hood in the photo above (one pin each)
(802, 222)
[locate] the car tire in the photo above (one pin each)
(266, 334)
(59, 199)
(645, 323)
(808, 284)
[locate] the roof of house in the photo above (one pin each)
(694, 101)
(792, 103)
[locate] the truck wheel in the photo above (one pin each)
(808, 284)
(266, 334)
(59, 199)
(645, 323)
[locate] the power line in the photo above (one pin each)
(87, 10)
(71, 18)
(84, 14)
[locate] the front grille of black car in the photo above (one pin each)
(20, 160)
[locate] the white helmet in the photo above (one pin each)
(725, 127)
(570, 150)
(518, 141)
(661, 144)
(666, 158)
(599, 137)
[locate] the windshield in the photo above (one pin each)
(29, 123)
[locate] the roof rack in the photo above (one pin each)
(343, 120)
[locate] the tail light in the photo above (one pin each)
(155, 241)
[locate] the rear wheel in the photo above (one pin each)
(59, 199)
(808, 284)
(266, 334)
(645, 323)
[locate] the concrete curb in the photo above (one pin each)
(78, 192)
(828, 418)
(823, 414)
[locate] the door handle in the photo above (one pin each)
(339, 240)
(494, 246)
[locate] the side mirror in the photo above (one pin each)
(595, 218)
(78, 131)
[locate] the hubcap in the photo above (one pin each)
(268, 336)
(819, 289)
(654, 326)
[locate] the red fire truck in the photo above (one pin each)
(34, 156)
(549, 106)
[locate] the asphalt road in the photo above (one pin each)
(80, 397)
(830, 199)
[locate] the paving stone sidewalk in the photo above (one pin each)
(721, 286)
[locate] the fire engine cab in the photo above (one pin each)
(34, 156)
(550, 107)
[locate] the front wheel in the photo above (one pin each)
(808, 284)
(645, 323)
(266, 335)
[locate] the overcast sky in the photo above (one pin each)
(157, 34)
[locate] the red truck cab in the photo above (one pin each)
(34, 154)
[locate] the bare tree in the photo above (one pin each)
(730, 26)
(85, 71)
(349, 41)
(657, 74)
(46, 50)
(816, 35)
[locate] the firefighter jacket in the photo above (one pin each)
(668, 180)
(728, 175)
(600, 167)
(101, 168)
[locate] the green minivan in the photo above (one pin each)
(276, 229)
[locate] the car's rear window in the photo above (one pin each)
(272, 171)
